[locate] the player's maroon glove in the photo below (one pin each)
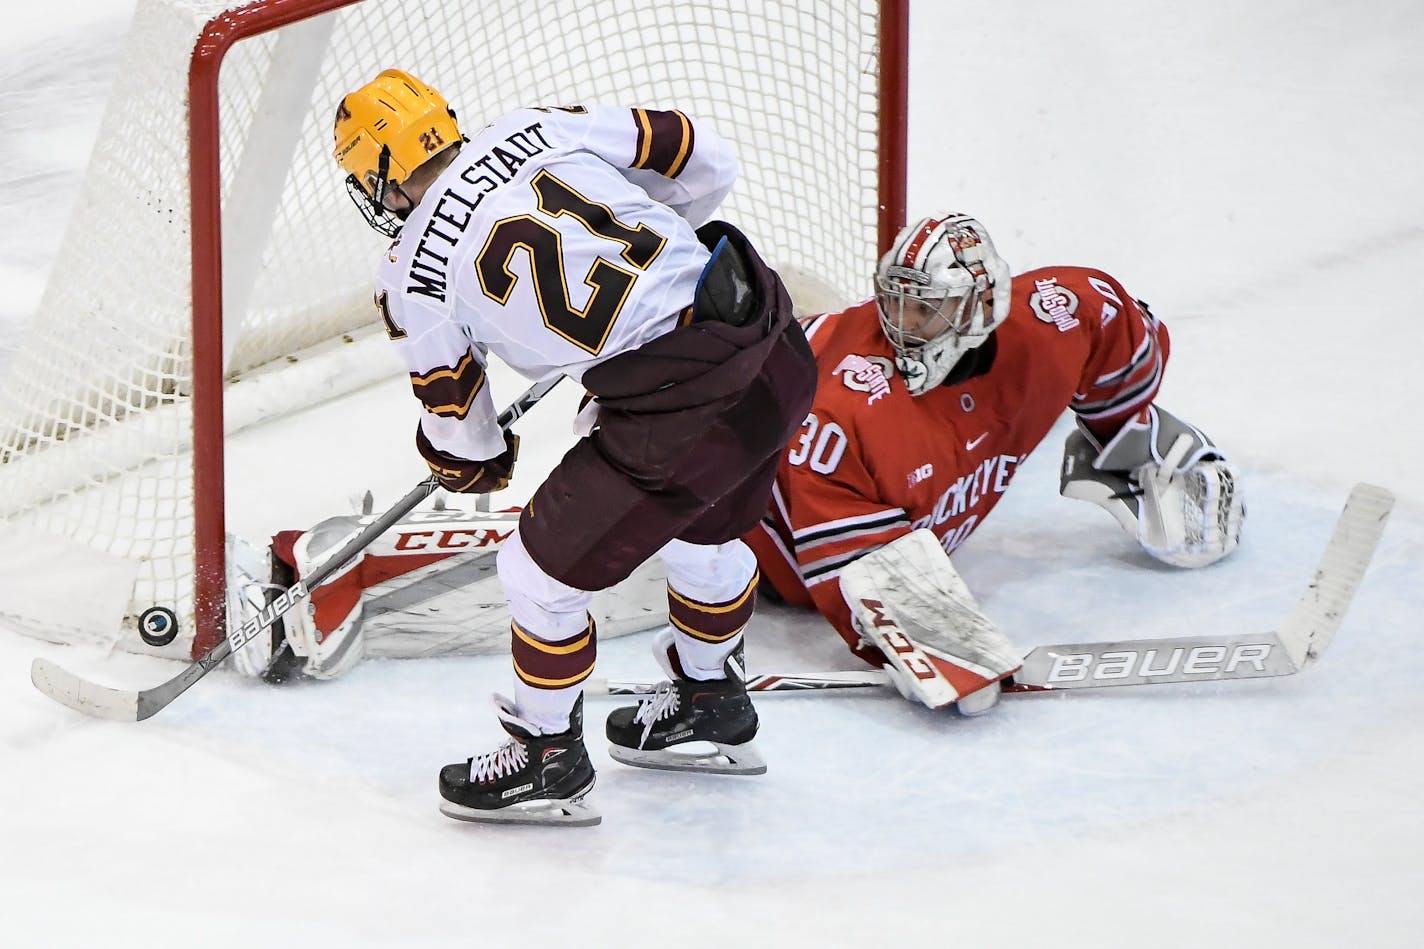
(469, 477)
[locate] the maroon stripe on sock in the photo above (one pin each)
(553, 665)
(712, 622)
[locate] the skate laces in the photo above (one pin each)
(660, 705)
(508, 757)
(504, 760)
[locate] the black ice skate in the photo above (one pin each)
(530, 779)
(673, 728)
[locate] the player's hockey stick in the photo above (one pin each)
(1297, 644)
(802, 682)
(123, 705)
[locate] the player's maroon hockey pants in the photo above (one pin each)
(691, 427)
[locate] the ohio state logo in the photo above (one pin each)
(1054, 304)
(861, 375)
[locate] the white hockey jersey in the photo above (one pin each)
(556, 239)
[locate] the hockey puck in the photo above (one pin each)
(158, 625)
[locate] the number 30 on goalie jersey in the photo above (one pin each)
(819, 446)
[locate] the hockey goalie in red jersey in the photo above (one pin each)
(930, 396)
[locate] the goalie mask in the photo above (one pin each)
(385, 131)
(941, 290)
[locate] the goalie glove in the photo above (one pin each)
(1165, 482)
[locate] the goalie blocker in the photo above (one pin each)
(426, 588)
(907, 600)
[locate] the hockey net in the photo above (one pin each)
(154, 338)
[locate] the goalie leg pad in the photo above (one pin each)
(908, 601)
(335, 650)
(250, 586)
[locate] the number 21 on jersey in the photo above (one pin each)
(587, 327)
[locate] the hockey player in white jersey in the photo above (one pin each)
(563, 242)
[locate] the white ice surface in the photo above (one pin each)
(1250, 169)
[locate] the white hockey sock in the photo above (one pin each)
(711, 596)
(546, 709)
(700, 660)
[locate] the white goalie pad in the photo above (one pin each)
(429, 587)
(908, 601)
(250, 589)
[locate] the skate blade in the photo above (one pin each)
(724, 759)
(561, 813)
(569, 812)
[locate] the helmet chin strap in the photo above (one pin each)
(382, 183)
(404, 212)
(372, 204)
(385, 187)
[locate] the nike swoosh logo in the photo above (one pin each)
(970, 446)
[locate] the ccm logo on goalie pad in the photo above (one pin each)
(1205, 661)
(421, 541)
(890, 637)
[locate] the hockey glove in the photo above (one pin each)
(1165, 483)
(463, 476)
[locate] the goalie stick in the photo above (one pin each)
(123, 705)
(1298, 643)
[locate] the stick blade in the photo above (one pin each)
(1310, 628)
(96, 701)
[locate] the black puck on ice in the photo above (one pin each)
(158, 625)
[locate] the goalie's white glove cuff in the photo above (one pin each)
(1156, 440)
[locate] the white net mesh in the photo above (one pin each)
(95, 411)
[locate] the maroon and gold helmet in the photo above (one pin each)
(386, 130)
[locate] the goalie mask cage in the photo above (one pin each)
(214, 272)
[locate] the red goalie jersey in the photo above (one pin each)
(873, 462)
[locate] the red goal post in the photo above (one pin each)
(812, 95)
